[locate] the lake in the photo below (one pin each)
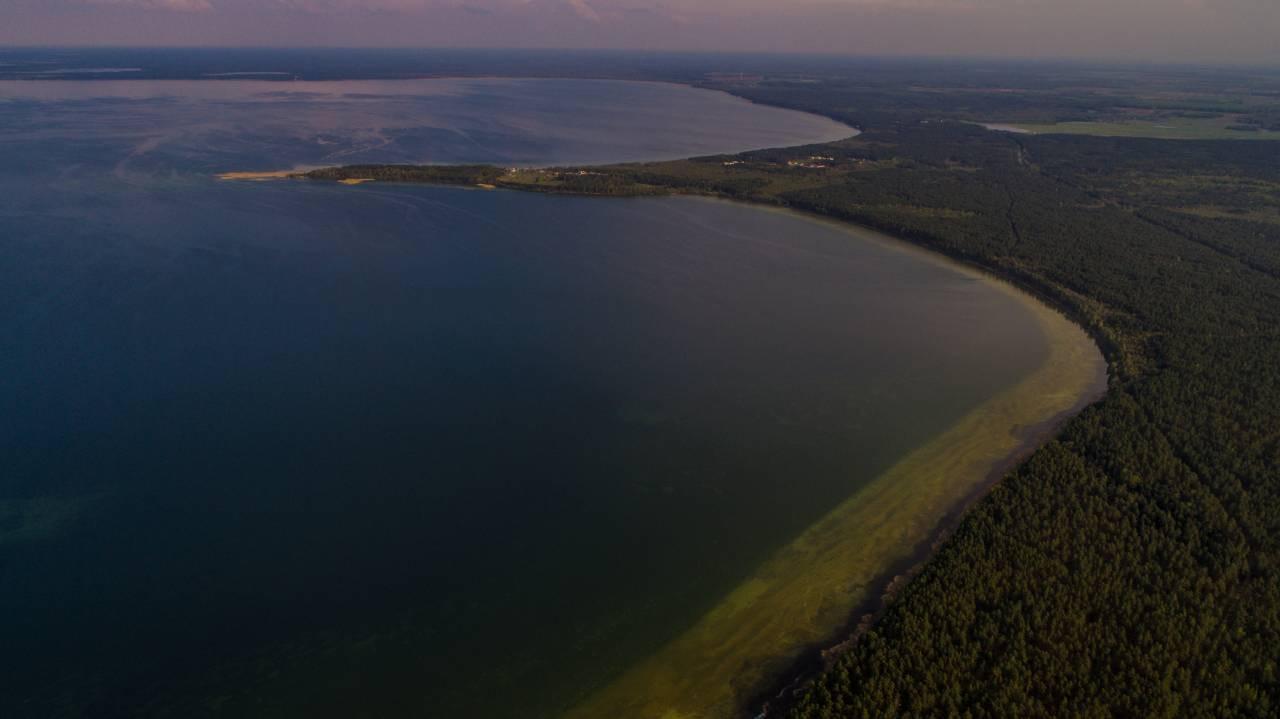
(291, 449)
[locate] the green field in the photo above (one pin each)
(1178, 128)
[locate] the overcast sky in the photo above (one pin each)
(1189, 30)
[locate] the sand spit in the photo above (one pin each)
(257, 176)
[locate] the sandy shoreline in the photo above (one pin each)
(257, 176)
(813, 592)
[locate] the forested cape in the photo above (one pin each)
(1130, 567)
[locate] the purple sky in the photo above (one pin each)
(1190, 30)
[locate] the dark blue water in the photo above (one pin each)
(301, 450)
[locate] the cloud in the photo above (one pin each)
(176, 5)
(1184, 30)
(584, 10)
(593, 10)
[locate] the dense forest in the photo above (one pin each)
(1131, 567)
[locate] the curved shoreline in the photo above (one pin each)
(718, 669)
(773, 697)
(814, 596)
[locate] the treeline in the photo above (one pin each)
(436, 174)
(571, 181)
(876, 94)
